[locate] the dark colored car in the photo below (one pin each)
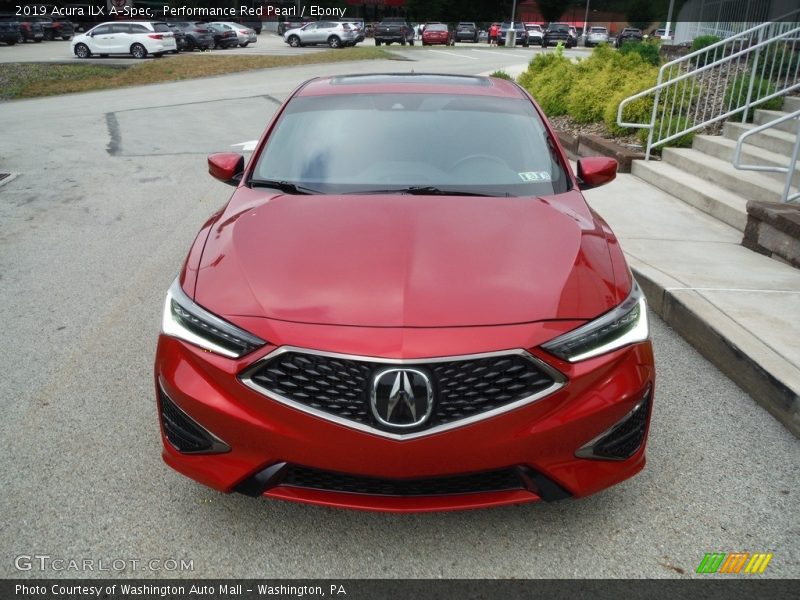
(437, 33)
(629, 34)
(56, 27)
(224, 37)
(558, 32)
(429, 317)
(180, 38)
(197, 35)
(521, 39)
(30, 30)
(467, 32)
(292, 23)
(82, 16)
(254, 24)
(9, 30)
(394, 29)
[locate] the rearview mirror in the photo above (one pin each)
(595, 171)
(228, 167)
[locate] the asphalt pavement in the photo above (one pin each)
(109, 195)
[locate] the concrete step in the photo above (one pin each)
(748, 184)
(779, 142)
(723, 148)
(791, 103)
(765, 116)
(711, 199)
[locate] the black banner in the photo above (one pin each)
(714, 587)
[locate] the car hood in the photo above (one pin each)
(405, 261)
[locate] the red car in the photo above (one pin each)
(438, 33)
(437, 323)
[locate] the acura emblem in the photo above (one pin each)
(401, 398)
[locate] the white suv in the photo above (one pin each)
(138, 38)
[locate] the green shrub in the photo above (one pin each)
(548, 78)
(736, 94)
(598, 78)
(703, 41)
(663, 129)
(649, 51)
(501, 75)
(777, 61)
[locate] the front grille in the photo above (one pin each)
(489, 481)
(183, 432)
(341, 386)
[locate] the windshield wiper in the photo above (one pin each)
(284, 186)
(424, 190)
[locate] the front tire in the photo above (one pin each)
(190, 45)
(66, 38)
(294, 41)
(138, 51)
(82, 51)
(377, 42)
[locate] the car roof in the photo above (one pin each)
(428, 83)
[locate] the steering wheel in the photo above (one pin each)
(482, 157)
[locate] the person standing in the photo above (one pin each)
(493, 29)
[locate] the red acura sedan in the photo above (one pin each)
(438, 33)
(425, 317)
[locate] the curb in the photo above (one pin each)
(725, 344)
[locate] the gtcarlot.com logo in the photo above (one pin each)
(45, 562)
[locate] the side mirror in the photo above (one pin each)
(226, 166)
(596, 171)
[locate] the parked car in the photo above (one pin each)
(310, 351)
(596, 35)
(438, 33)
(292, 23)
(332, 33)
(394, 29)
(662, 34)
(256, 25)
(137, 38)
(55, 27)
(558, 32)
(466, 31)
(629, 34)
(535, 33)
(30, 30)
(224, 35)
(197, 35)
(180, 38)
(9, 30)
(483, 36)
(244, 35)
(359, 29)
(521, 34)
(82, 17)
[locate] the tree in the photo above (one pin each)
(552, 9)
(640, 13)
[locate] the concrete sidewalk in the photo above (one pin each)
(740, 309)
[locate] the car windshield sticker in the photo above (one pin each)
(535, 176)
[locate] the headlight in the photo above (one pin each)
(624, 325)
(188, 321)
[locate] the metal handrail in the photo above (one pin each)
(789, 169)
(779, 33)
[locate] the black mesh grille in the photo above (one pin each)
(180, 430)
(626, 438)
(489, 481)
(462, 388)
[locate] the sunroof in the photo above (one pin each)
(410, 78)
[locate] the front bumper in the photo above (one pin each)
(540, 438)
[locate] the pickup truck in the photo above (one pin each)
(394, 29)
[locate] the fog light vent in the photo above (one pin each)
(623, 439)
(184, 433)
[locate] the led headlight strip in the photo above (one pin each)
(188, 321)
(624, 325)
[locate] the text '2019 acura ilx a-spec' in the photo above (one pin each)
(426, 316)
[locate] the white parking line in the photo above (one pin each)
(498, 52)
(453, 54)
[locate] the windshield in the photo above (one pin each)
(463, 143)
